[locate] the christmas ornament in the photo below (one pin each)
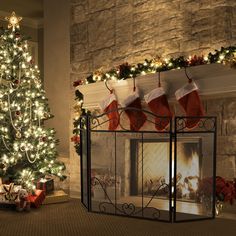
(158, 62)
(109, 105)
(2, 166)
(13, 21)
(158, 104)
(98, 74)
(18, 113)
(230, 60)
(189, 99)
(18, 134)
(133, 110)
(17, 34)
(44, 139)
(46, 115)
(15, 83)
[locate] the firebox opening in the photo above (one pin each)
(150, 167)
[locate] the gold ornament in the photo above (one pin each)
(13, 21)
(46, 115)
(158, 61)
(18, 134)
(230, 60)
(97, 75)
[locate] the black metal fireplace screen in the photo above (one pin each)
(164, 175)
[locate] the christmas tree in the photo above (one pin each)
(27, 148)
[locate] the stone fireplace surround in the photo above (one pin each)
(107, 33)
(217, 89)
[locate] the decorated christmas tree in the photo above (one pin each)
(27, 148)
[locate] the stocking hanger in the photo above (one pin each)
(110, 90)
(159, 79)
(134, 88)
(185, 71)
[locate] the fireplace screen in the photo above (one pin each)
(160, 175)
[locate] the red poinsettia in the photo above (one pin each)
(196, 60)
(124, 70)
(75, 139)
(225, 190)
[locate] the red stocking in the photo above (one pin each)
(189, 99)
(158, 104)
(136, 117)
(109, 104)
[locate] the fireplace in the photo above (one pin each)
(155, 167)
(158, 175)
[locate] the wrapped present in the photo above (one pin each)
(14, 196)
(46, 184)
(9, 193)
(37, 198)
(57, 196)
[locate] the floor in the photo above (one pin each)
(71, 219)
(156, 207)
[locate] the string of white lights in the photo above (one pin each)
(9, 105)
(29, 158)
(3, 140)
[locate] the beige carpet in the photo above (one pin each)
(71, 219)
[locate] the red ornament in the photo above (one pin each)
(18, 113)
(17, 35)
(16, 81)
(44, 139)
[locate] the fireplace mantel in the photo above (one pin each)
(213, 79)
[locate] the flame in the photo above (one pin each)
(189, 171)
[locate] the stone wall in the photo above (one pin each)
(106, 33)
(224, 109)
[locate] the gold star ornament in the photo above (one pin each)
(13, 21)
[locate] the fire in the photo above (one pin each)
(188, 176)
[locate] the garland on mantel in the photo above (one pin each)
(226, 56)
(158, 64)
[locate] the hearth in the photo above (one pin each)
(155, 167)
(150, 174)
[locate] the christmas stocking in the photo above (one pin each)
(158, 104)
(136, 117)
(189, 99)
(110, 105)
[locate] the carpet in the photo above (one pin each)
(72, 219)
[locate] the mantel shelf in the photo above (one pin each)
(213, 79)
